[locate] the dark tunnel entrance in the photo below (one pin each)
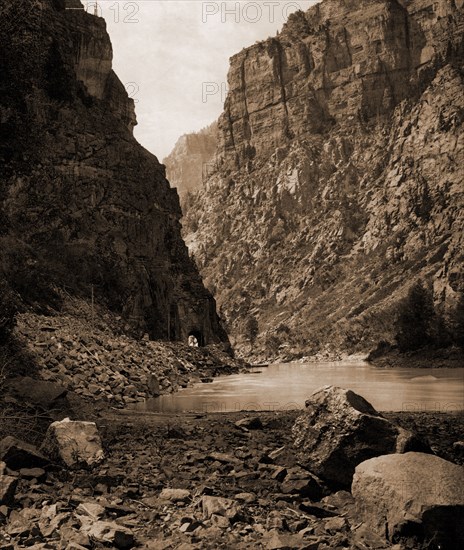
(195, 338)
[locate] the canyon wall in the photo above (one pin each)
(191, 162)
(84, 208)
(339, 176)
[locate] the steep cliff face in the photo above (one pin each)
(339, 175)
(191, 161)
(83, 205)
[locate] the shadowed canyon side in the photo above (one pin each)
(338, 176)
(84, 207)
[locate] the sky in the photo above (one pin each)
(173, 57)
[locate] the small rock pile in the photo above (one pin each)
(100, 364)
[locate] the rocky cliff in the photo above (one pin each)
(191, 162)
(84, 208)
(339, 175)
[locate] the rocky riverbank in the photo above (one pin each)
(441, 358)
(86, 350)
(198, 481)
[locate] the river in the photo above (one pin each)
(288, 385)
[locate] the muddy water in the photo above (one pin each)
(287, 386)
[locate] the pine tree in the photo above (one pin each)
(416, 319)
(251, 328)
(457, 322)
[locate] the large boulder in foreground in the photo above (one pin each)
(76, 443)
(412, 495)
(340, 429)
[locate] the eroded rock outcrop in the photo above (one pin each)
(82, 203)
(338, 175)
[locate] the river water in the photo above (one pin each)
(287, 386)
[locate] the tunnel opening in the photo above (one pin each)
(195, 338)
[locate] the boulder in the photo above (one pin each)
(412, 494)
(17, 454)
(340, 429)
(76, 443)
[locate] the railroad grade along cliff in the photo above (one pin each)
(82, 203)
(338, 176)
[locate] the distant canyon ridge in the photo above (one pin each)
(334, 178)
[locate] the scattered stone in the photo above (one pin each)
(91, 509)
(22, 522)
(224, 458)
(247, 498)
(315, 510)
(219, 521)
(284, 541)
(339, 429)
(250, 423)
(175, 495)
(301, 482)
(108, 532)
(278, 472)
(8, 486)
(334, 525)
(188, 525)
(412, 494)
(275, 520)
(76, 443)
(220, 507)
(17, 454)
(33, 473)
(277, 453)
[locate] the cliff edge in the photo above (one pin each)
(84, 208)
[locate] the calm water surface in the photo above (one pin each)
(287, 386)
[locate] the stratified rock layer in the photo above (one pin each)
(79, 195)
(339, 175)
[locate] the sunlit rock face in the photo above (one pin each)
(85, 199)
(191, 162)
(338, 176)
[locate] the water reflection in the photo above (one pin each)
(287, 386)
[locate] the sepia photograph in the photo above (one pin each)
(232, 274)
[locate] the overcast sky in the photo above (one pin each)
(173, 57)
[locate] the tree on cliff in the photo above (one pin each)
(251, 328)
(416, 321)
(457, 322)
